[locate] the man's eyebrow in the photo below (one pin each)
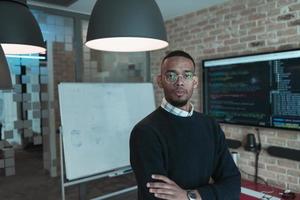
(171, 70)
(189, 71)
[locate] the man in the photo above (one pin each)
(175, 151)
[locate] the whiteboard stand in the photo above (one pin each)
(82, 181)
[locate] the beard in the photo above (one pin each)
(178, 103)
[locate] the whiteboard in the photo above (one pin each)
(97, 119)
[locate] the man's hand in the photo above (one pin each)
(167, 189)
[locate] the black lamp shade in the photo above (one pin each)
(20, 32)
(250, 142)
(5, 79)
(126, 26)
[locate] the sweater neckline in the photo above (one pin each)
(176, 116)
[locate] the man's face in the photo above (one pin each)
(177, 80)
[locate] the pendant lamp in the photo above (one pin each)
(5, 79)
(126, 26)
(20, 32)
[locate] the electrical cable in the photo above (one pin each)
(259, 178)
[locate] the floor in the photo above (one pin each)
(32, 182)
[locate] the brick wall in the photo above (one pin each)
(240, 27)
(63, 71)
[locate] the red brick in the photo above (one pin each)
(288, 46)
(276, 183)
(202, 23)
(256, 30)
(294, 23)
(260, 164)
(274, 12)
(264, 22)
(287, 163)
(248, 25)
(257, 16)
(276, 141)
(238, 47)
(292, 39)
(209, 27)
(257, 44)
(229, 16)
(266, 8)
(286, 17)
(239, 7)
(247, 12)
(237, 22)
(295, 187)
(214, 8)
(247, 38)
(223, 49)
(294, 144)
(231, 41)
(292, 172)
(255, 3)
(215, 20)
(209, 39)
(216, 32)
(287, 134)
(274, 27)
(276, 169)
(223, 37)
(223, 24)
(196, 30)
(266, 49)
(294, 7)
(267, 174)
(288, 179)
(282, 3)
(209, 51)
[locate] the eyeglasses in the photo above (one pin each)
(172, 77)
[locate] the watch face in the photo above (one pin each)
(192, 195)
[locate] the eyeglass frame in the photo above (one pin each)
(178, 75)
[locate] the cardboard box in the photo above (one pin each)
(9, 171)
(37, 140)
(1, 163)
(1, 144)
(7, 152)
(9, 162)
(8, 135)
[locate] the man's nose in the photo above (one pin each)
(180, 80)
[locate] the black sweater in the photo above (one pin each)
(188, 150)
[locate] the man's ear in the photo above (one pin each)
(159, 80)
(195, 82)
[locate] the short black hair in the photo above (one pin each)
(178, 53)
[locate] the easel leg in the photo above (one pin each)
(61, 165)
(82, 191)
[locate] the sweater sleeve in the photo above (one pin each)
(226, 176)
(146, 158)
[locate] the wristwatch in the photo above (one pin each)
(191, 195)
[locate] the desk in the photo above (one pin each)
(248, 186)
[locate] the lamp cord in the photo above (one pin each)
(258, 177)
(257, 152)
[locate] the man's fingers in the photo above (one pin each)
(162, 178)
(162, 191)
(164, 196)
(159, 185)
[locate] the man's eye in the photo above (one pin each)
(188, 76)
(171, 76)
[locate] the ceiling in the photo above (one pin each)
(58, 2)
(169, 8)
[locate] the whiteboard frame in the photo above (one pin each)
(113, 173)
(65, 182)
